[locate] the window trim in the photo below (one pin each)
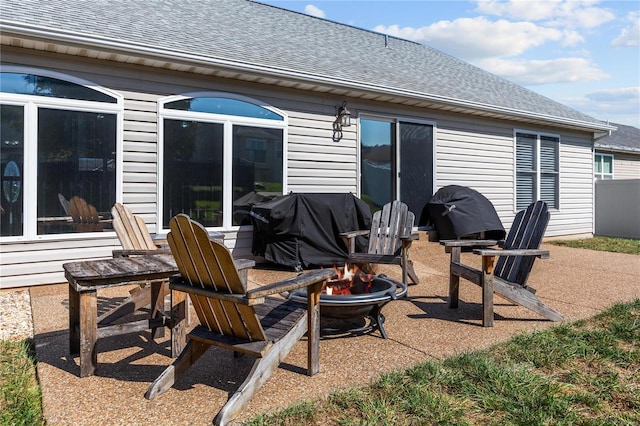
(31, 104)
(228, 121)
(538, 171)
(602, 174)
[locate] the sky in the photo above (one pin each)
(582, 53)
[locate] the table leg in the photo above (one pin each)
(88, 332)
(74, 321)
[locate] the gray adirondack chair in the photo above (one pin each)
(231, 317)
(390, 239)
(508, 275)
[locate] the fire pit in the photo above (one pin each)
(358, 297)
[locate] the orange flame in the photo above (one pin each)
(349, 281)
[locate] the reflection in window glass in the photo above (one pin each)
(29, 84)
(223, 106)
(76, 158)
(257, 168)
(377, 162)
(12, 161)
(193, 171)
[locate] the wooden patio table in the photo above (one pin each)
(87, 277)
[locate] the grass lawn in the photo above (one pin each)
(583, 373)
(616, 245)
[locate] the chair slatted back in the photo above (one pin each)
(209, 265)
(131, 229)
(526, 232)
(387, 225)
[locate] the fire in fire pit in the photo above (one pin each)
(349, 281)
(355, 295)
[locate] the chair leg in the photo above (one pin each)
(487, 291)
(454, 280)
(192, 352)
(262, 369)
(411, 272)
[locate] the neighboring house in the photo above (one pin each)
(190, 106)
(617, 153)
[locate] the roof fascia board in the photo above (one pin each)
(117, 46)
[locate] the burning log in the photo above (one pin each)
(349, 281)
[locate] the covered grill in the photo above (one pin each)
(460, 212)
(302, 230)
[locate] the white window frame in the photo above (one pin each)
(601, 175)
(228, 121)
(31, 104)
(538, 170)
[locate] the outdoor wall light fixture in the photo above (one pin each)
(343, 119)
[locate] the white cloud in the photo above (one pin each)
(313, 10)
(557, 13)
(535, 72)
(474, 38)
(620, 94)
(618, 105)
(629, 37)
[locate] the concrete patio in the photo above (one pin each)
(578, 283)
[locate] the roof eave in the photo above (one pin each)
(151, 52)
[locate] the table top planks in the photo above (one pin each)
(90, 275)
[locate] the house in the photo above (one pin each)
(617, 153)
(191, 106)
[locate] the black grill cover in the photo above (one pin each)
(302, 230)
(461, 212)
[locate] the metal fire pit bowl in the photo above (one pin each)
(365, 306)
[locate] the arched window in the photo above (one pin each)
(58, 154)
(220, 155)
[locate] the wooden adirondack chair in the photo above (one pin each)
(135, 240)
(509, 276)
(232, 317)
(133, 234)
(390, 238)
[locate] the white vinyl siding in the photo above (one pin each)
(626, 166)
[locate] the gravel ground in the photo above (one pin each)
(15, 311)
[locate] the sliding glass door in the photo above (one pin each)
(396, 162)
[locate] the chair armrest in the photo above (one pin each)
(176, 283)
(543, 254)
(244, 263)
(299, 281)
(410, 237)
(352, 234)
(468, 243)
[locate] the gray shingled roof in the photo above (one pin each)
(625, 138)
(270, 39)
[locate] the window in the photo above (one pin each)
(603, 166)
(58, 140)
(537, 169)
(221, 154)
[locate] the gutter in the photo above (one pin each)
(47, 35)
